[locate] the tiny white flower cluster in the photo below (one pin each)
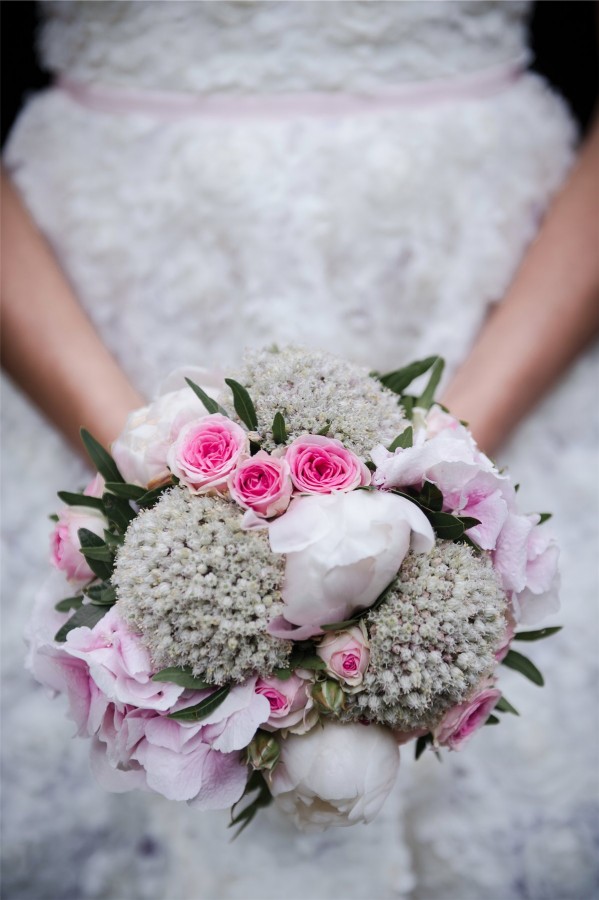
(319, 393)
(200, 589)
(433, 639)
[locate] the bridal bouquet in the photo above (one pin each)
(277, 580)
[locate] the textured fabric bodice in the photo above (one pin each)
(278, 46)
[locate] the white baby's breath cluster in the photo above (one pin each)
(318, 392)
(433, 638)
(200, 590)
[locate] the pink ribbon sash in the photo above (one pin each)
(173, 105)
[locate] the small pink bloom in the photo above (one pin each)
(345, 654)
(289, 700)
(461, 721)
(206, 453)
(320, 465)
(65, 545)
(262, 484)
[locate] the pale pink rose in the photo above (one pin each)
(461, 721)
(526, 559)
(65, 547)
(484, 498)
(206, 453)
(141, 449)
(262, 484)
(119, 664)
(320, 465)
(437, 420)
(96, 487)
(289, 700)
(346, 654)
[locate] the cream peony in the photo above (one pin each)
(342, 550)
(335, 775)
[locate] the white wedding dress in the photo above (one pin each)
(365, 215)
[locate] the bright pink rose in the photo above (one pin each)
(206, 453)
(119, 664)
(461, 721)
(262, 484)
(65, 546)
(320, 465)
(289, 700)
(345, 654)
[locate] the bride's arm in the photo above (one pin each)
(549, 314)
(49, 346)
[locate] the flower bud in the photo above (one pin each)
(328, 697)
(263, 752)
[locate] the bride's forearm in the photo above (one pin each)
(49, 346)
(549, 314)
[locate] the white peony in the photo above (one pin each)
(335, 775)
(342, 550)
(140, 451)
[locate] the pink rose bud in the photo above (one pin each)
(328, 697)
(263, 752)
(346, 654)
(206, 452)
(65, 546)
(461, 721)
(320, 465)
(289, 700)
(262, 484)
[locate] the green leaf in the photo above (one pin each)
(128, 491)
(492, 720)
(515, 660)
(469, 522)
(283, 674)
(100, 457)
(446, 526)
(118, 511)
(403, 440)
(427, 397)
(324, 430)
(101, 594)
(537, 635)
(81, 500)
(311, 662)
(88, 615)
(90, 541)
(114, 540)
(182, 676)
(504, 705)
(431, 497)
(243, 404)
(151, 497)
(544, 517)
(263, 798)
(211, 405)
(407, 402)
(69, 603)
(340, 626)
(421, 744)
(400, 379)
(204, 708)
(54, 518)
(279, 431)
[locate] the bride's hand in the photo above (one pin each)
(49, 346)
(549, 314)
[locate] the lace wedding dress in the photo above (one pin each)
(361, 177)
